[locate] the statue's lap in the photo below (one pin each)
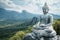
(45, 33)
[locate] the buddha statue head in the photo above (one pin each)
(45, 8)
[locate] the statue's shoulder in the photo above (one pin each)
(41, 15)
(50, 15)
(35, 19)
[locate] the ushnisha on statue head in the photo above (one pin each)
(45, 8)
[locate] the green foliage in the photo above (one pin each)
(56, 26)
(20, 34)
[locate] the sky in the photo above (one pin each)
(32, 6)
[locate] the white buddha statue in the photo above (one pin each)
(43, 28)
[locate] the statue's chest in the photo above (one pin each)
(44, 19)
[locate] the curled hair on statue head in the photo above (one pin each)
(45, 7)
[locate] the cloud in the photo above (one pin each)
(7, 4)
(33, 6)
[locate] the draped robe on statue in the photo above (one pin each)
(44, 26)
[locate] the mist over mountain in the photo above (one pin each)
(11, 17)
(56, 16)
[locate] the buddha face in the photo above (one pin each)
(45, 11)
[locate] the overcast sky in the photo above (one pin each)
(32, 6)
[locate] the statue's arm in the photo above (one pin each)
(51, 21)
(36, 26)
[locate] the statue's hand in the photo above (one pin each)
(53, 34)
(48, 30)
(42, 25)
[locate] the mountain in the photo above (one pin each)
(24, 16)
(10, 18)
(13, 15)
(56, 16)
